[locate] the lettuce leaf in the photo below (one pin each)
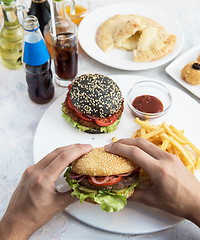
(82, 128)
(108, 200)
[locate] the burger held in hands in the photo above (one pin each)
(103, 178)
(93, 104)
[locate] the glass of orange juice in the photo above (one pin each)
(82, 8)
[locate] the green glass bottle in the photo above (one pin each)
(11, 36)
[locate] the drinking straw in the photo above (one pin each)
(24, 8)
(53, 18)
(22, 2)
(72, 7)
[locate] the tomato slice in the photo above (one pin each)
(69, 87)
(82, 115)
(106, 121)
(99, 181)
(69, 102)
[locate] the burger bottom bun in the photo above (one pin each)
(94, 131)
(89, 200)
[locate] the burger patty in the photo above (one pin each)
(125, 182)
(72, 113)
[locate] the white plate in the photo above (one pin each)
(174, 69)
(53, 131)
(124, 59)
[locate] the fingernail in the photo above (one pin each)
(108, 147)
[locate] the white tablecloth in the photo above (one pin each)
(19, 118)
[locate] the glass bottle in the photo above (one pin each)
(40, 9)
(37, 62)
(11, 36)
(59, 7)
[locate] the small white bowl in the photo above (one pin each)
(151, 88)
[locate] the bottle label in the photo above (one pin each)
(35, 54)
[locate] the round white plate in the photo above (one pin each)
(54, 131)
(124, 59)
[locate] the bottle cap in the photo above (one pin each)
(35, 54)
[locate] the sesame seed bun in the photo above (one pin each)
(101, 163)
(96, 95)
(89, 200)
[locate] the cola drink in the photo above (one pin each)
(65, 51)
(65, 56)
(39, 81)
(36, 62)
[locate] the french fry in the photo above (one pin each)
(186, 157)
(165, 144)
(114, 139)
(192, 170)
(153, 133)
(144, 124)
(171, 133)
(194, 148)
(170, 150)
(135, 135)
(197, 164)
(142, 132)
(169, 139)
(190, 167)
(156, 138)
(176, 152)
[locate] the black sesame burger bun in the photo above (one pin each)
(96, 95)
(98, 162)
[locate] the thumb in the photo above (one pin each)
(65, 199)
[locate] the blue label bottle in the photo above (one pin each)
(37, 62)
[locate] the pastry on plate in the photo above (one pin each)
(145, 37)
(191, 73)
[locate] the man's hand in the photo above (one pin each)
(173, 188)
(35, 200)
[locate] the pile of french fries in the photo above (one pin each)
(169, 139)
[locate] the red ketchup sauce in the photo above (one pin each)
(148, 104)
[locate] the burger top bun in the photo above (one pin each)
(101, 163)
(96, 95)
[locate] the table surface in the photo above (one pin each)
(19, 118)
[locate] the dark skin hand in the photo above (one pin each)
(35, 200)
(173, 188)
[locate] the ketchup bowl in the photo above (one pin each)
(149, 99)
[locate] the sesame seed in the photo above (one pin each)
(96, 95)
(100, 163)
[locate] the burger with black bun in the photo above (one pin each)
(94, 104)
(103, 178)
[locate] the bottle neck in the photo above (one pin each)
(10, 14)
(39, 1)
(32, 32)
